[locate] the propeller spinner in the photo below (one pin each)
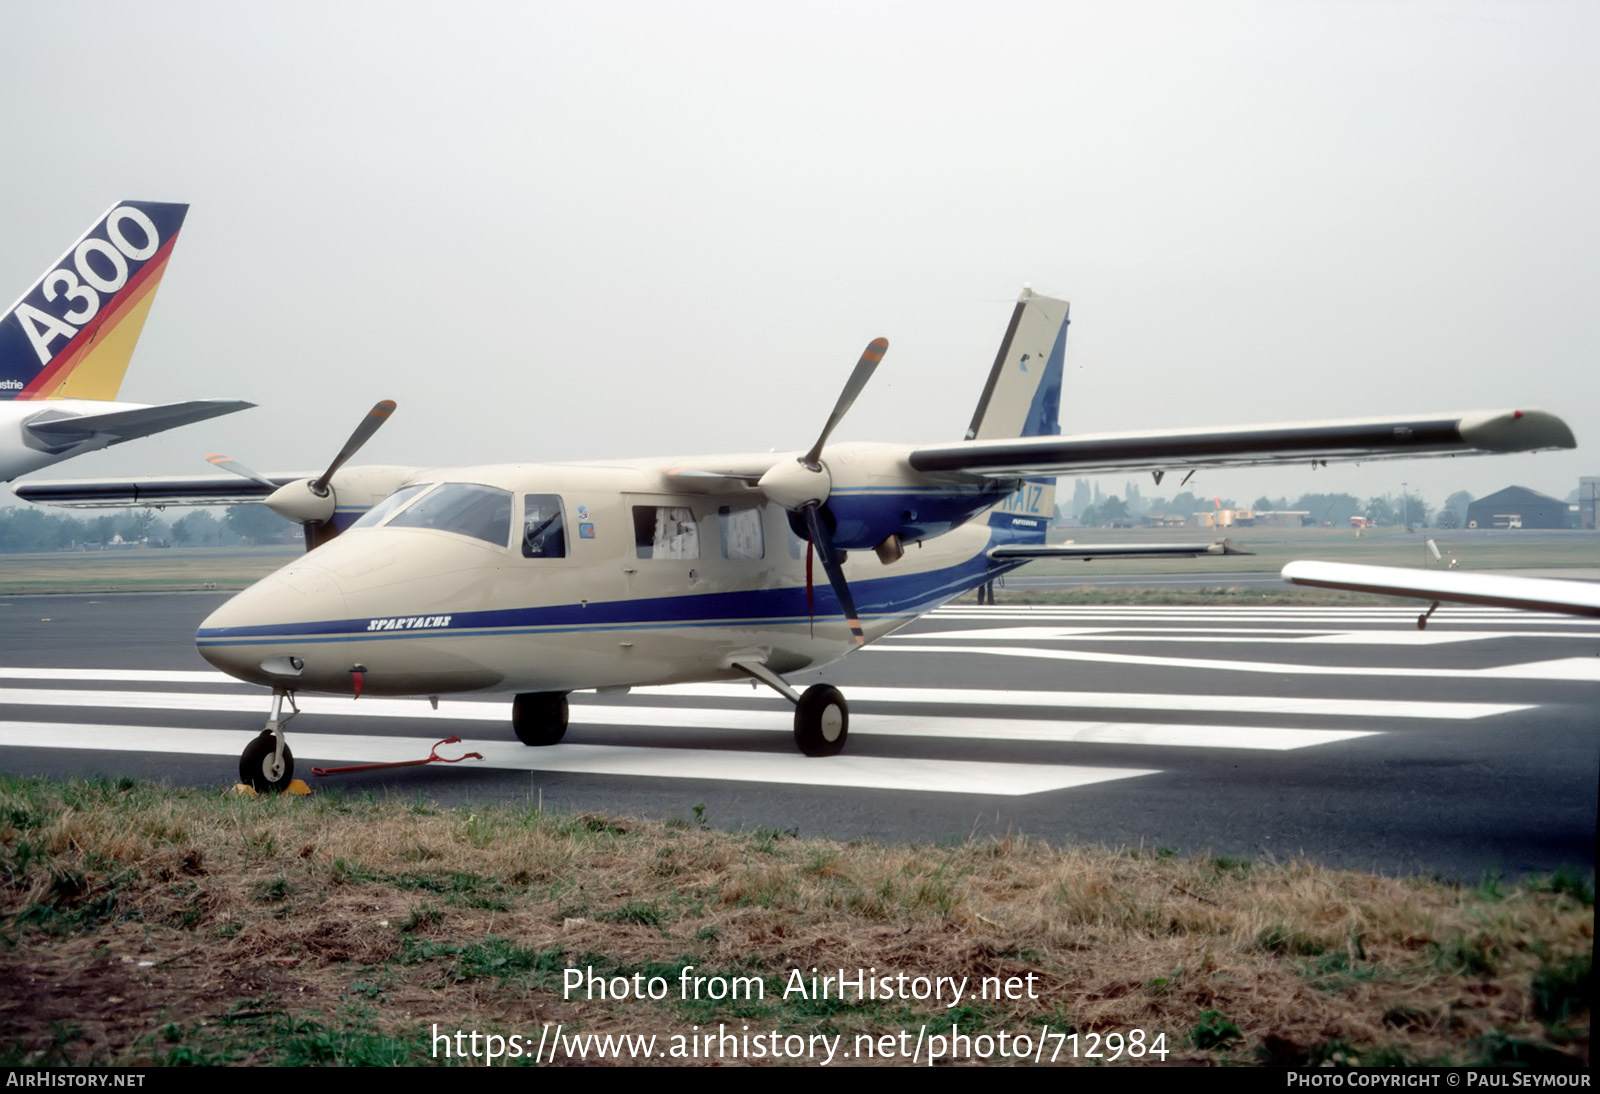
(311, 502)
(802, 487)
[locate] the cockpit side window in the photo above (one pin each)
(482, 512)
(544, 532)
(377, 513)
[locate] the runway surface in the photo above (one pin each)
(1341, 734)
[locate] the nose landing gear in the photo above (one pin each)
(267, 765)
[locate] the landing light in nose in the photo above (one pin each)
(283, 666)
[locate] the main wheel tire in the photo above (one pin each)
(821, 721)
(260, 769)
(540, 717)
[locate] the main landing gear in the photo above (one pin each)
(539, 717)
(267, 765)
(821, 716)
(821, 721)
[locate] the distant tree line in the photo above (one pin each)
(1092, 508)
(24, 529)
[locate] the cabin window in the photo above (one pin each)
(544, 533)
(665, 531)
(466, 509)
(742, 537)
(377, 513)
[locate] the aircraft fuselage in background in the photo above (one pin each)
(66, 343)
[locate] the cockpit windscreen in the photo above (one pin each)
(467, 509)
(375, 516)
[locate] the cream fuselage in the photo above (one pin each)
(422, 611)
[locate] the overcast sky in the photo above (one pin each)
(578, 231)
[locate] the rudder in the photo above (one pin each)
(1022, 398)
(73, 332)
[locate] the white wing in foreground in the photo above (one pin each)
(1497, 590)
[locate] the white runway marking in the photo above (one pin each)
(255, 702)
(120, 676)
(978, 715)
(780, 719)
(1211, 636)
(873, 773)
(1574, 668)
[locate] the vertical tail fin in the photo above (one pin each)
(70, 336)
(1023, 399)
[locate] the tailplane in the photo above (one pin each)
(72, 334)
(1023, 399)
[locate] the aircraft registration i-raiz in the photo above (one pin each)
(65, 345)
(542, 579)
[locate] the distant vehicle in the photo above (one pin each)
(1360, 522)
(65, 345)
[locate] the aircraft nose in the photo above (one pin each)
(256, 636)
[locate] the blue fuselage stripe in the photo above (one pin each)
(892, 597)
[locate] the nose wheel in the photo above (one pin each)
(263, 767)
(267, 765)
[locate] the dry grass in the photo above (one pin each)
(180, 569)
(152, 926)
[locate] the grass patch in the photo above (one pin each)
(172, 569)
(190, 928)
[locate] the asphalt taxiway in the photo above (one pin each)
(1341, 734)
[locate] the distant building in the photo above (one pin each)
(1248, 518)
(1588, 487)
(1283, 518)
(1517, 507)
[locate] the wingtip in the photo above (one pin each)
(1517, 431)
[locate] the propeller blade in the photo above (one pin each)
(858, 380)
(228, 463)
(835, 571)
(363, 433)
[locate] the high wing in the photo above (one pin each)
(54, 431)
(1496, 590)
(1479, 432)
(157, 491)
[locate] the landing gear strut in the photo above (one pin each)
(821, 717)
(267, 765)
(540, 717)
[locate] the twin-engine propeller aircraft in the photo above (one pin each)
(543, 579)
(64, 347)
